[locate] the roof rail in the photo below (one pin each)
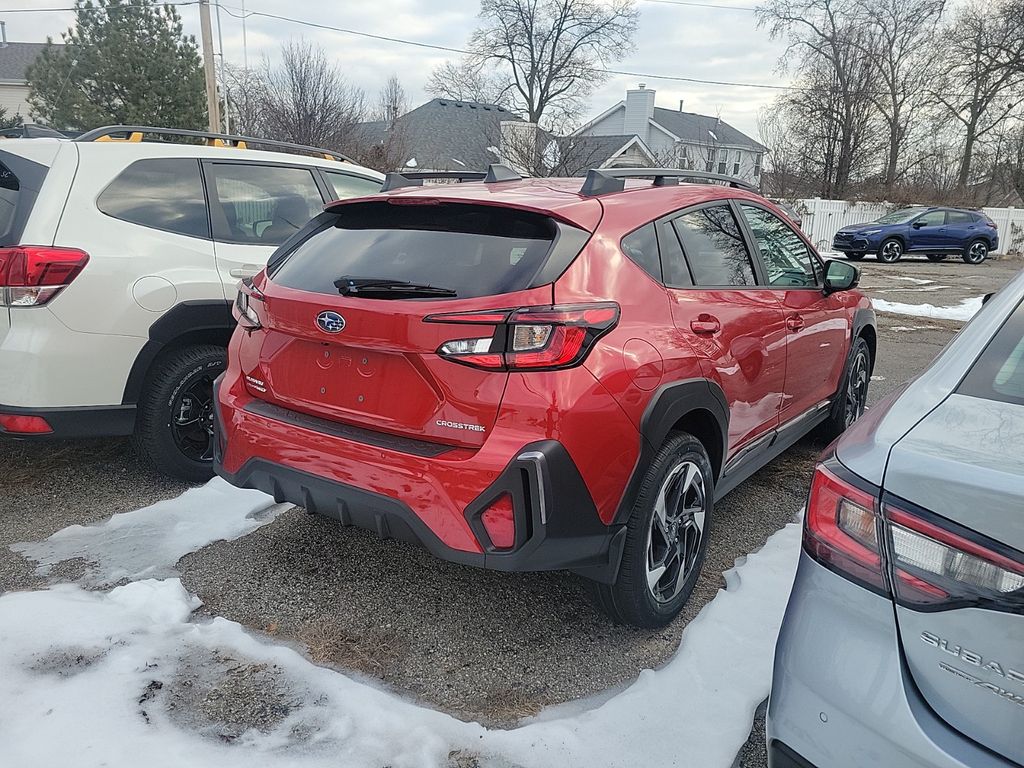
(135, 133)
(495, 173)
(602, 181)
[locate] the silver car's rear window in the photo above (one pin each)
(999, 373)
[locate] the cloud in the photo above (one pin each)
(672, 40)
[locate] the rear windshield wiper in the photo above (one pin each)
(391, 289)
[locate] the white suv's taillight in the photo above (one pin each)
(31, 275)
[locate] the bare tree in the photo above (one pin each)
(828, 40)
(467, 80)
(391, 102)
(984, 68)
(245, 91)
(549, 54)
(905, 66)
(308, 100)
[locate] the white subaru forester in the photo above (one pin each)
(119, 260)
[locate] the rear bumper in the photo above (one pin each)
(841, 695)
(434, 501)
(69, 423)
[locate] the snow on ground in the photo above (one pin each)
(149, 541)
(916, 280)
(965, 310)
(92, 678)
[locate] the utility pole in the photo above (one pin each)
(212, 102)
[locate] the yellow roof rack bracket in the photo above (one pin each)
(139, 132)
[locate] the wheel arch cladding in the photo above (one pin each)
(864, 326)
(187, 323)
(697, 406)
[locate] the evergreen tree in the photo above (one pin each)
(124, 61)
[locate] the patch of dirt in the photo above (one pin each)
(67, 662)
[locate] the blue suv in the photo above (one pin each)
(933, 232)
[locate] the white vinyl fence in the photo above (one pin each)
(823, 218)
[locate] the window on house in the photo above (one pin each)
(757, 166)
(723, 160)
(736, 168)
(709, 166)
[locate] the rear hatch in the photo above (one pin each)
(349, 315)
(955, 503)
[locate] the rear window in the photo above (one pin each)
(474, 250)
(999, 373)
(20, 181)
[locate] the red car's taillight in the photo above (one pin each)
(530, 338)
(243, 310)
(931, 564)
(841, 527)
(31, 275)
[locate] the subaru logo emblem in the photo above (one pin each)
(330, 322)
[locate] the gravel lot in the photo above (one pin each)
(487, 646)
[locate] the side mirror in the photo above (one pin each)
(840, 276)
(918, 224)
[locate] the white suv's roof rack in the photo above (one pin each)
(137, 133)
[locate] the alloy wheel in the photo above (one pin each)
(677, 531)
(891, 252)
(192, 419)
(977, 253)
(856, 389)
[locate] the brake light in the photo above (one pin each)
(841, 527)
(24, 425)
(935, 565)
(530, 338)
(243, 310)
(31, 275)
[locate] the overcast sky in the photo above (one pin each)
(673, 40)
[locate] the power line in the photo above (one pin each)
(703, 5)
(448, 49)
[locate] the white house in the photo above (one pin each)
(15, 59)
(674, 138)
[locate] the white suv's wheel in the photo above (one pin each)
(174, 425)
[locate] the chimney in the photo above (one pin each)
(639, 111)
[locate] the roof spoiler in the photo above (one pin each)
(137, 133)
(602, 181)
(494, 174)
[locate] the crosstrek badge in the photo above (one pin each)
(459, 425)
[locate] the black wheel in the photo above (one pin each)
(936, 257)
(853, 256)
(174, 425)
(891, 251)
(666, 537)
(852, 396)
(976, 252)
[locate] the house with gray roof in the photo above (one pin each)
(674, 138)
(15, 59)
(441, 135)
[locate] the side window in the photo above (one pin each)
(787, 259)
(344, 185)
(161, 193)
(932, 219)
(677, 274)
(714, 247)
(261, 204)
(641, 246)
(959, 218)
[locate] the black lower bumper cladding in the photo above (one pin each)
(557, 525)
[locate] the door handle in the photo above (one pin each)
(246, 270)
(705, 324)
(794, 322)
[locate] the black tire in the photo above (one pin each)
(175, 412)
(976, 252)
(631, 600)
(853, 256)
(936, 257)
(890, 251)
(852, 395)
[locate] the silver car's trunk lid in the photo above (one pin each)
(964, 463)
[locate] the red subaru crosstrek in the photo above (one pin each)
(539, 374)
